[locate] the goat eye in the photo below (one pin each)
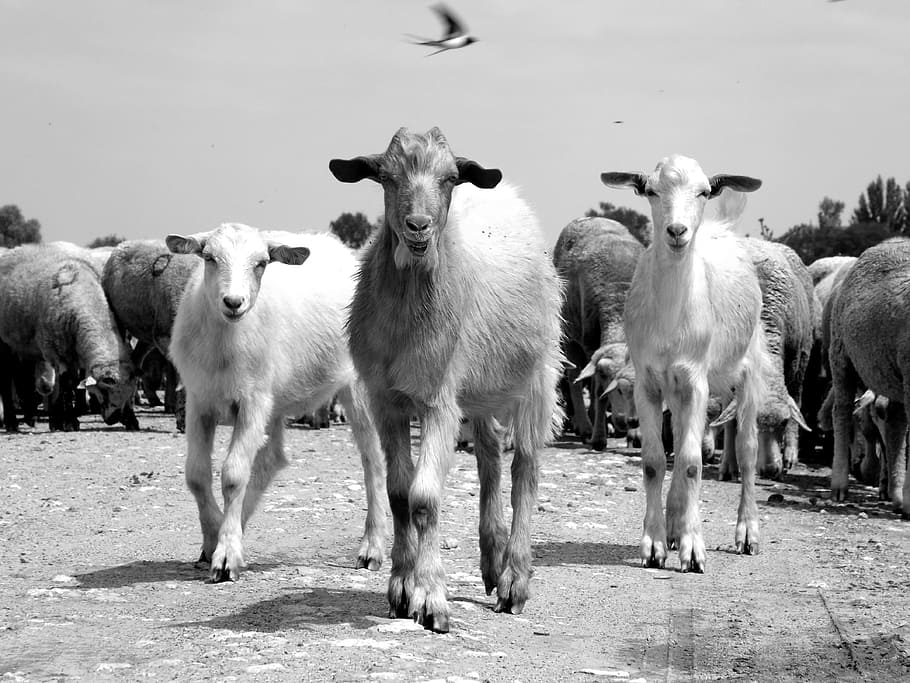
(703, 193)
(261, 265)
(208, 258)
(650, 193)
(452, 179)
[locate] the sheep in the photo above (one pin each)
(692, 322)
(790, 317)
(870, 336)
(144, 282)
(53, 312)
(821, 268)
(456, 314)
(259, 337)
(595, 257)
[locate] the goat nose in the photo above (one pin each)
(676, 230)
(417, 222)
(232, 302)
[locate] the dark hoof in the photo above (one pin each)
(747, 548)
(598, 445)
(653, 563)
(438, 623)
(506, 605)
(370, 563)
(489, 586)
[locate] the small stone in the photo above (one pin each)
(776, 498)
(863, 515)
(449, 543)
(629, 487)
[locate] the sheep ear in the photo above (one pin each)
(796, 414)
(292, 256)
(726, 414)
(356, 169)
(620, 180)
(190, 244)
(87, 382)
(587, 371)
(471, 172)
(740, 183)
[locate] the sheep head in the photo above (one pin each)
(112, 384)
(418, 173)
(235, 257)
(678, 190)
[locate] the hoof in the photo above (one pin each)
(438, 623)
(371, 563)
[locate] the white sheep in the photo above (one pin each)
(456, 314)
(259, 337)
(53, 312)
(596, 258)
(692, 325)
(870, 335)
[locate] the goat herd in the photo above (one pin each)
(456, 313)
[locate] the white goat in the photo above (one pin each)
(456, 314)
(692, 325)
(256, 339)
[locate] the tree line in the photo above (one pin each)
(882, 211)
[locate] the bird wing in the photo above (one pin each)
(453, 27)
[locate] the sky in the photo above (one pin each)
(146, 117)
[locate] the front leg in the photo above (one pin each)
(428, 603)
(200, 435)
(248, 438)
(688, 400)
(394, 428)
(654, 467)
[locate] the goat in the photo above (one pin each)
(456, 314)
(257, 338)
(692, 325)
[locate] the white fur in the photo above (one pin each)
(286, 355)
(692, 325)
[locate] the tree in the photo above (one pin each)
(883, 202)
(829, 213)
(354, 229)
(111, 240)
(638, 224)
(15, 229)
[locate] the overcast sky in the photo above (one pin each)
(147, 117)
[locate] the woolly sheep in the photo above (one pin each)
(692, 324)
(53, 311)
(596, 258)
(259, 337)
(456, 314)
(144, 282)
(790, 318)
(821, 268)
(870, 337)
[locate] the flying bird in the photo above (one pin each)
(455, 36)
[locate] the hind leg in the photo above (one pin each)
(270, 458)
(493, 532)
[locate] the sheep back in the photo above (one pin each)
(144, 283)
(596, 259)
(52, 306)
(870, 319)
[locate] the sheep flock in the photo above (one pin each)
(458, 314)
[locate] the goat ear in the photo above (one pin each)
(292, 256)
(356, 169)
(191, 244)
(471, 172)
(740, 183)
(620, 180)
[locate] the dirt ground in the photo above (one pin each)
(97, 580)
